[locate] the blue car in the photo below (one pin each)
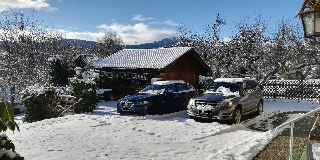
(158, 98)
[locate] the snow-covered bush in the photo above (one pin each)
(41, 102)
(85, 89)
(7, 148)
(40, 106)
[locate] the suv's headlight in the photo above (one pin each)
(142, 103)
(191, 102)
(226, 104)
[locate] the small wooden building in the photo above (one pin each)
(136, 67)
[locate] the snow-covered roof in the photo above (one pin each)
(231, 80)
(168, 82)
(142, 58)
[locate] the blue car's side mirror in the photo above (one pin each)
(169, 92)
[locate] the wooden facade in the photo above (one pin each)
(187, 68)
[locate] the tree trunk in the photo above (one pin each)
(306, 71)
(12, 97)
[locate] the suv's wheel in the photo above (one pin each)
(155, 109)
(237, 115)
(260, 108)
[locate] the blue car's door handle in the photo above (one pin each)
(176, 96)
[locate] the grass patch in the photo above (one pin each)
(278, 148)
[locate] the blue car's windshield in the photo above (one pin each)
(154, 89)
(234, 87)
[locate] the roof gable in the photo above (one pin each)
(142, 58)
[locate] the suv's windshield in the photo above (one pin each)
(154, 89)
(221, 86)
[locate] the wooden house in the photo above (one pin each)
(136, 67)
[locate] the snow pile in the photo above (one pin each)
(224, 92)
(234, 148)
(161, 91)
(205, 108)
(38, 89)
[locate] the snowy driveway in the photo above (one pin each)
(105, 134)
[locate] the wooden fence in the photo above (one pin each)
(291, 89)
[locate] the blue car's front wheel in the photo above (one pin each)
(155, 108)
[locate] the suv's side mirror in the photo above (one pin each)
(247, 91)
(244, 92)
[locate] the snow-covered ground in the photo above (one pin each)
(105, 134)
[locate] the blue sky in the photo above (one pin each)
(145, 21)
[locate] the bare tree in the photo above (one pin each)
(254, 50)
(25, 46)
(205, 44)
(109, 44)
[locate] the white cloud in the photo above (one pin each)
(118, 28)
(138, 33)
(168, 22)
(82, 35)
(37, 4)
(139, 17)
(171, 23)
(146, 37)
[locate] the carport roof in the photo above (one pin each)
(143, 58)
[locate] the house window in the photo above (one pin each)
(134, 76)
(115, 74)
(144, 76)
(122, 74)
(109, 74)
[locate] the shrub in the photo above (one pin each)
(41, 103)
(85, 89)
(7, 148)
(40, 106)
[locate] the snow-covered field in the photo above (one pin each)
(105, 134)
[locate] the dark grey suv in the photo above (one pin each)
(228, 99)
